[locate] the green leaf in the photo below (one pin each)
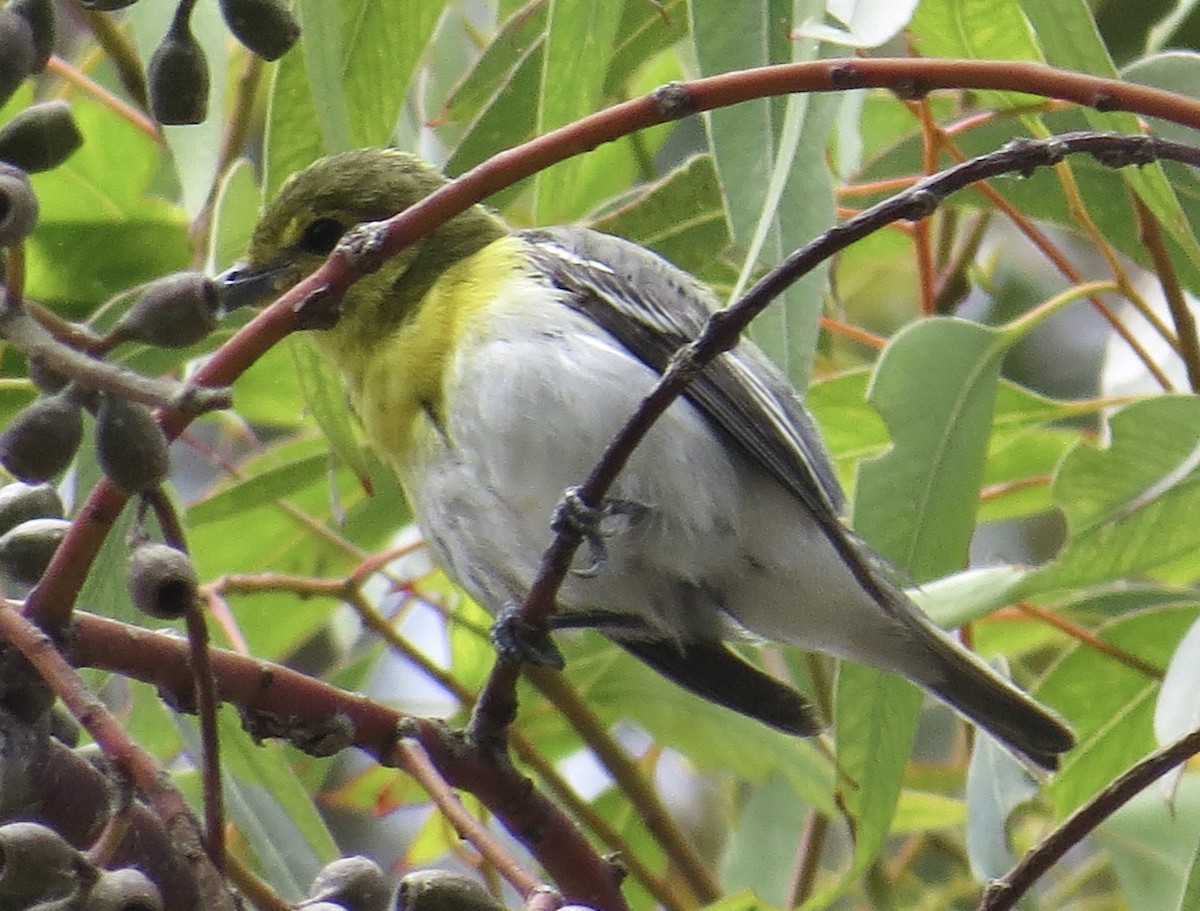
(292, 139)
(1174, 71)
(979, 29)
(1129, 505)
(383, 43)
(1071, 40)
(1112, 721)
(645, 30)
(617, 686)
(1152, 844)
(917, 503)
(764, 843)
(235, 213)
(274, 813)
(996, 785)
(966, 596)
(650, 217)
(579, 41)
(321, 45)
(326, 397)
(924, 811)
(274, 484)
(770, 155)
(102, 228)
(521, 35)
(269, 394)
(1191, 887)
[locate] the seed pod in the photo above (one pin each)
(40, 16)
(37, 865)
(440, 890)
(266, 27)
(25, 551)
(162, 581)
(178, 77)
(26, 694)
(126, 889)
(42, 439)
(17, 52)
(40, 137)
(18, 205)
(354, 883)
(47, 380)
(19, 502)
(173, 312)
(130, 447)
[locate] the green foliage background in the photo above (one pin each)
(918, 432)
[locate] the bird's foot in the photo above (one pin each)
(576, 517)
(518, 641)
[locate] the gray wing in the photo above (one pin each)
(652, 308)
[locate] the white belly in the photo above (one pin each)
(721, 544)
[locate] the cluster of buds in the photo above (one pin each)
(178, 71)
(42, 439)
(40, 869)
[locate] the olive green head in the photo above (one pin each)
(314, 209)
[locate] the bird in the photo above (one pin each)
(489, 366)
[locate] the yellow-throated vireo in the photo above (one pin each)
(490, 367)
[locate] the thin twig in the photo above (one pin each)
(808, 857)
(38, 344)
(1004, 893)
(411, 756)
(1168, 280)
(151, 779)
(689, 865)
(1090, 639)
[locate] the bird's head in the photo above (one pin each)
(317, 206)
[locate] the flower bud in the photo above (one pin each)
(42, 439)
(173, 312)
(40, 137)
(26, 550)
(354, 883)
(178, 78)
(40, 16)
(440, 890)
(266, 27)
(19, 502)
(130, 447)
(37, 865)
(18, 205)
(162, 581)
(17, 52)
(126, 889)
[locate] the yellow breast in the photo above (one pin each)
(398, 383)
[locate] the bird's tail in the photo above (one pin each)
(939, 664)
(1015, 719)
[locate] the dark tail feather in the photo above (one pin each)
(1008, 714)
(712, 671)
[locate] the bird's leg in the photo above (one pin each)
(574, 516)
(518, 641)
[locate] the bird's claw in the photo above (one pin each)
(575, 516)
(518, 641)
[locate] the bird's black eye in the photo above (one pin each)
(321, 236)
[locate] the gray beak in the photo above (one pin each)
(242, 285)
